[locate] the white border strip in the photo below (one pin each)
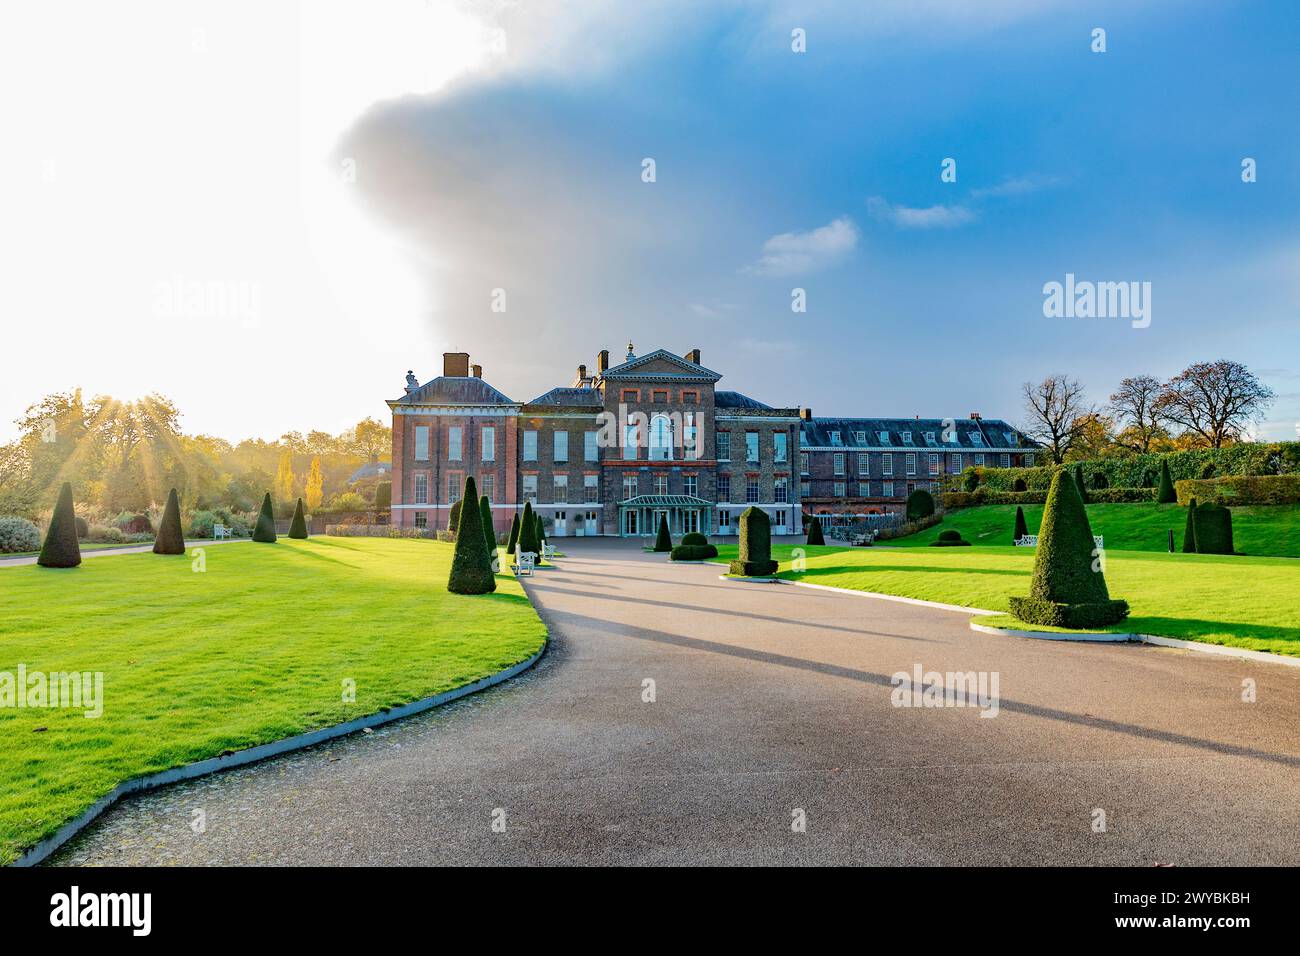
(239, 758)
(1109, 637)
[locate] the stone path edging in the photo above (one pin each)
(249, 755)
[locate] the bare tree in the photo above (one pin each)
(1058, 415)
(1135, 406)
(1215, 401)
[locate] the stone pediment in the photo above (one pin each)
(662, 365)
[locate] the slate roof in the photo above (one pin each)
(372, 469)
(977, 435)
(726, 399)
(570, 396)
(454, 390)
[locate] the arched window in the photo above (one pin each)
(661, 438)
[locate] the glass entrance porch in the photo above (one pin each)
(639, 517)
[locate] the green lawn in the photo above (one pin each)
(84, 545)
(254, 649)
(1264, 530)
(1241, 602)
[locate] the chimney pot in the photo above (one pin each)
(805, 414)
(582, 372)
(602, 361)
(974, 416)
(693, 356)
(478, 370)
(455, 364)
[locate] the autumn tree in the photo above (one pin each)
(1057, 414)
(1215, 402)
(315, 492)
(284, 477)
(1135, 406)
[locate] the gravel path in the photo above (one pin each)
(771, 704)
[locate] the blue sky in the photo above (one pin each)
(499, 146)
(1115, 166)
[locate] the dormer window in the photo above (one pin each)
(860, 437)
(1011, 439)
(835, 438)
(907, 438)
(976, 438)
(884, 438)
(929, 438)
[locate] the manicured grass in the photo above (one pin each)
(254, 649)
(1240, 602)
(85, 546)
(1261, 530)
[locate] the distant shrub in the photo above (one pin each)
(1241, 490)
(18, 534)
(1213, 529)
(754, 555)
(60, 548)
(171, 539)
(663, 540)
(949, 538)
(383, 495)
(105, 534)
(815, 535)
(83, 527)
(920, 504)
(694, 537)
(908, 528)
(693, 552)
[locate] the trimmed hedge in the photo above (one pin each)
(171, 539)
(1033, 610)
(1241, 490)
(1189, 529)
(265, 530)
(471, 565)
(298, 526)
(949, 538)
(383, 496)
(663, 540)
(1080, 483)
(61, 549)
(1068, 588)
(1135, 471)
(815, 535)
(953, 500)
(754, 556)
(694, 537)
(453, 516)
(528, 540)
(1213, 529)
(920, 504)
(908, 527)
(693, 552)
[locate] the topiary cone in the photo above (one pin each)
(1022, 529)
(265, 529)
(471, 568)
(1167, 495)
(663, 540)
(512, 544)
(1189, 531)
(815, 535)
(1063, 566)
(60, 549)
(298, 527)
(489, 530)
(453, 517)
(1081, 483)
(528, 532)
(170, 539)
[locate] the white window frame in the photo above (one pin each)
(561, 450)
(421, 442)
(591, 446)
(487, 440)
(530, 444)
(454, 433)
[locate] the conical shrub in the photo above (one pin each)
(528, 531)
(61, 549)
(453, 516)
(1189, 530)
(1069, 587)
(1081, 483)
(513, 543)
(264, 531)
(489, 530)
(1167, 495)
(754, 555)
(1022, 528)
(815, 535)
(170, 539)
(663, 540)
(298, 527)
(471, 568)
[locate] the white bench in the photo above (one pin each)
(548, 552)
(220, 531)
(523, 563)
(1031, 541)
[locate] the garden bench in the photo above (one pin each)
(220, 531)
(548, 552)
(1031, 541)
(523, 563)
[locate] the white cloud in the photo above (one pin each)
(1015, 186)
(794, 253)
(930, 217)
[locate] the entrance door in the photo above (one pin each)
(560, 524)
(629, 522)
(690, 521)
(591, 522)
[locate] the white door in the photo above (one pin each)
(560, 525)
(591, 522)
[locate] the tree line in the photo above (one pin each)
(124, 457)
(1207, 405)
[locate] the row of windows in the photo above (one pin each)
(455, 487)
(860, 437)
(487, 442)
(779, 521)
(934, 462)
(753, 490)
(560, 446)
(780, 446)
(864, 489)
(660, 396)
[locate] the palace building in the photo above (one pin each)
(623, 444)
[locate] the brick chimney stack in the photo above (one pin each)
(602, 362)
(805, 414)
(974, 416)
(455, 364)
(478, 370)
(693, 356)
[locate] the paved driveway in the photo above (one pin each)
(771, 702)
